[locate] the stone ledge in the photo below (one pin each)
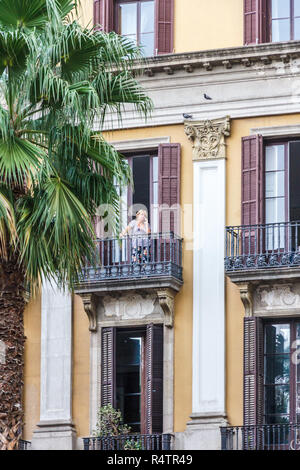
(270, 274)
(125, 285)
(226, 58)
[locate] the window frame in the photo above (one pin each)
(293, 368)
(291, 19)
(129, 157)
(117, 25)
(269, 143)
(139, 331)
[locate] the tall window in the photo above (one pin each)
(144, 193)
(129, 376)
(135, 20)
(132, 375)
(282, 189)
(282, 374)
(285, 20)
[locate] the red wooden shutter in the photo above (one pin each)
(263, 21)
(108, 388)
(104, 14)
(253, 371)
(250, 21)
(154, 379)
(252, 188)
(164, 26)
(169, 187)
(97, 12)
(255, 21)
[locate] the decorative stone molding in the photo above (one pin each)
(90, 307)
(246, 294)
(208, 138)
(282, 299)
(166, 301)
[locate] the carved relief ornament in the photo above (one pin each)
(208, 138)
(90, 307)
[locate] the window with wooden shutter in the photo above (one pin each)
(252, 194)
(132, 375)
(108, 347)
(252, 188)
(256, 21)
(104, 14)
(164, 32)
(154, 379)
(169, 187)
(253, 371)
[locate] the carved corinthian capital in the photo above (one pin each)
(208, 138)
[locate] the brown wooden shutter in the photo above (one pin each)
(104, 14)
(154, 379)
(169, 187)
(108, 372)
(252, 187)
(263, 21)
(256, 21)
(164, 26)
(253, 371)
(250, 21)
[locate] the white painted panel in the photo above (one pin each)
(209, 312)
(56, 354)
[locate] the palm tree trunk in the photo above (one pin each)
(12, 339)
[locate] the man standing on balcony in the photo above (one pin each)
(139, 245)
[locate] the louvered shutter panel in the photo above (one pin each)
(253, 371)
(164, 26)
(250, 21)
(108, 388)
(256, 21)
(104, 14)
(169, 187)
(154, 379)
(252, 196)
(252, 193)
(97, 12)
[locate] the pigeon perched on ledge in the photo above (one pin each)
(207, 97)
(187, 116)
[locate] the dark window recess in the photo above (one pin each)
(132, 375)
(294, 191)
(129, 376)
(141, 178)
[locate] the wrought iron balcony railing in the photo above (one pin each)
(147, 256)
(24, 445)
(129, 442)
(250, 247)
(261, 437)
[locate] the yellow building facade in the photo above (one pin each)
(252, 78)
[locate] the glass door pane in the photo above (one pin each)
(129, 377)
(277, 373)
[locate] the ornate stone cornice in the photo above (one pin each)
(90, 307)
(208, 138)
(226, 58)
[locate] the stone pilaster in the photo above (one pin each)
(208, 140)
